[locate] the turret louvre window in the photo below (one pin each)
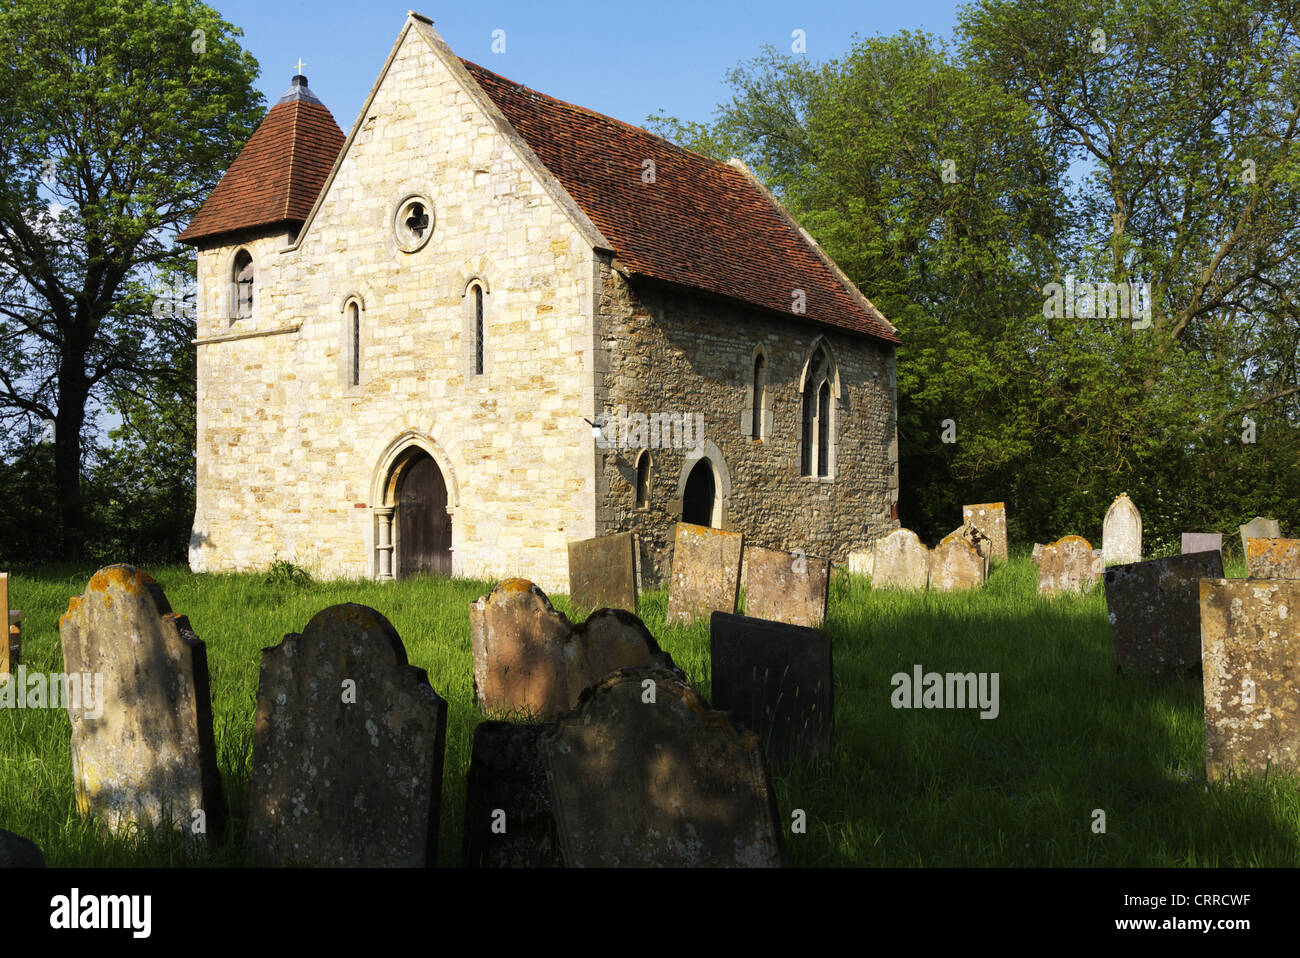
(242, 297)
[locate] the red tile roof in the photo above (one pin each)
(700, 224)
(277, 176)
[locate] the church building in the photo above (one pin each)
(487, 322)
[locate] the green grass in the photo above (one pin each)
(906, 787)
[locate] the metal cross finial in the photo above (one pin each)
(300, 66)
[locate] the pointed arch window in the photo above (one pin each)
(354, 321)
(760, 397)
(241, 277)
(643, 465)
(818, 425)
(478, 330)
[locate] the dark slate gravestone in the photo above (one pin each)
(644, 773)
(19, 852)
(508, 820)
(1155, 613)
(602, 572)
(144, 753)
(348, 748)
(1250, 636)
(1202, 542)
(777, 680)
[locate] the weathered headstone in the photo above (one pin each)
(1250, 646)
(902, 561)
(862, 562)
(1273, 558)
(990, 518)
(706, 573)
(508, 818)
(347, 749)
(530, 659)
(1121, 532)
(144, 753)
(19, 852)
(1202, 542)
(778, 681)
(11, 638)
(1155, 612)
(602, 572)
(957, 563)
(1068, 565)
(1259, 528)
(786, 587)
(644, 773)
(1037, 554)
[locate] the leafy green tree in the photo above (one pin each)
(119, 118)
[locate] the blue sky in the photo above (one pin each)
(627, 60)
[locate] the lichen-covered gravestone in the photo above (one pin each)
(602, 572)
(1250, 641)
(1259, 528)
(1273, 558)
(786, 587)
(990, 518)
(902, 562)
(1069, 564)
(706, 573)
(11, 636)
(956, 564)
(530, 659)
(1121, 532)
(508, 819)
(347, 750)
(145, 754)
(778, 681)
(644, 773)
(1155, 612)
(1202, 542)
(19, 852)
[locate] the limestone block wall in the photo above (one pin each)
(292, 456)
(672, 351)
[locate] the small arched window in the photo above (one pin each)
(643, 479)
(478, 330)
(760, 397)
(818, 433)
(242, 283)
(354, 320)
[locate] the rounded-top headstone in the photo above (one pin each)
(1121, 532)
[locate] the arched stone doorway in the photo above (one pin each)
(420, 520)
(700, 494)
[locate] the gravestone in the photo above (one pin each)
(644, 773)
(1273, 558)
(706, 573)
(1259, 528)
(508, 819)
(957, 562)
(11, 639)
(347, 749)
(902, 561)
(990, 518)
(1155, 612)
(19, 852)
(1121, 532)
(786, 587)
(1202, 542)
(1068, 565)
(530, 659)
(602, 572)
(862, 562)
(1037, 554)
(145, 754)
(1250, 646)
(778, 681)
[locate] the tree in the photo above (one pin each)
(120, 116)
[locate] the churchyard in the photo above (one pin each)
(1072, 762)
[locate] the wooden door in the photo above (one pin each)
(423, 526)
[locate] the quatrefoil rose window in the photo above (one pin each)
(413, 224)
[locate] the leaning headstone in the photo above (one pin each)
(347, 749)
(1273, 558)
(1250, 642)
(143, 753)
(11, 638)
(19, 852)
(1202, 542)
(508, 819)
(778, 681)
(902, 561)
(706, 573)
(644, 773)
(1259, 528)
(786, 587)
(862, 562)
(990, 518)
(602, 572)
(1068, 565)
(955, 564)
(1121, 532)
(1155, 612)
(531, 660)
